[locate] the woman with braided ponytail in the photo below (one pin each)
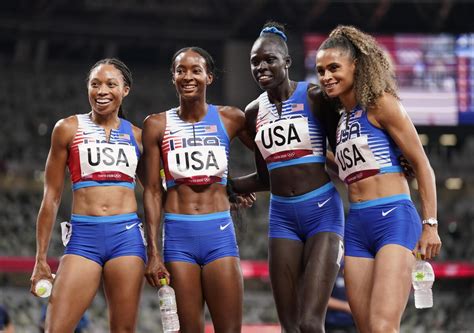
(383, 229)
(289, 122)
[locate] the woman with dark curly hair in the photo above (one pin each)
(383, 229)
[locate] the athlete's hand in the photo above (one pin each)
(406, 166)
(40, 271)
(429, 243)
(243, 201)
(155, 270)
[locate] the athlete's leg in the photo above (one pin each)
(123, 281)
(391, 288)
(186, 281)
(321, 259)
(75, 286)
(286, 265)
(358, 277)
(223, 291)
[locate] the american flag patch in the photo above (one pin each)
(358, 114)
(124, 136)
(297, 107)
(210, 129)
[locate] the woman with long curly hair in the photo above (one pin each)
(383, 229)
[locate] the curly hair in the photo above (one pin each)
(374, 74)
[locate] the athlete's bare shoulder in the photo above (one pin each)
(251, 110)
(64, 130)
(155, 117)
(230, 111)
(314, 92)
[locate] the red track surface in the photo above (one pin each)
(252, 269)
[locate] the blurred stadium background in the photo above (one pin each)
(48, 46)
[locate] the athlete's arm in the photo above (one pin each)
(55, 170)
(259, 180)
(326, 111)
(390, 115)
(153, 129)
(137, 133)
(234, 122)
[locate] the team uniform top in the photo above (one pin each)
(363, 150)
(195, 153)
(295, 136)
(94, 161)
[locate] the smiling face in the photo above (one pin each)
(106, 89)
(190, 75)
(269, 63)
(336, 71)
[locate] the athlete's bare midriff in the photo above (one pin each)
(378, 186)
(298, 179)
(104, 201)
(199, 199)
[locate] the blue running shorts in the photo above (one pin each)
(372, 224)
(303, 216)
(101, 238)
(199, 239)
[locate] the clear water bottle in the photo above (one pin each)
(44, 287)
(168, 309)
(422, 279)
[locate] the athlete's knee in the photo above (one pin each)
(312, 325)
(290, 326)
(381, 325)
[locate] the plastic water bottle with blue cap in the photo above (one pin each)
(422, 280)
(168, 308)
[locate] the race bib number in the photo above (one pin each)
(107, 157)
(356, 160)
(196, 161)
(284, 140)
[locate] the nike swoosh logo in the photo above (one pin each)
(321, 204)
(174, 132)
(264, 115)
(130, 226)
(388, 211)
(223, 227)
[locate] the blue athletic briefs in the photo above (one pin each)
(372, 224)
(101, 238)
(305, 215)
(199, 239)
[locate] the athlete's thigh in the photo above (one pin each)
(392, 283)
(75, 286)
(358, 278)
(223, 292)
(186, 281)
(286, 267)
(323, 254)
(123, 281)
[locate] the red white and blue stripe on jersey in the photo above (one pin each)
(90, 134)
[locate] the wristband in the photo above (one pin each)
(431, 221)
